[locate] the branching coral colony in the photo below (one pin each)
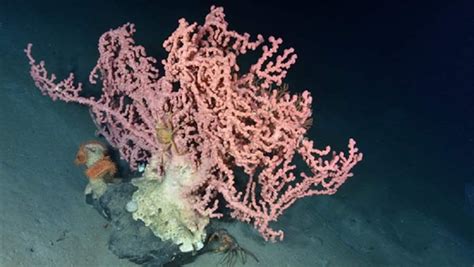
(199, 122)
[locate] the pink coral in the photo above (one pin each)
(224, 119)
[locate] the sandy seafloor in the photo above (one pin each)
(405, 206)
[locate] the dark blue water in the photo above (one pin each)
(397, 76)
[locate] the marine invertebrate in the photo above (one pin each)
(158, 202)
(222, 242)
(165, 132)
(100, 169)
(230, 120)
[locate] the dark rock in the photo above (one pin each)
(131, 239)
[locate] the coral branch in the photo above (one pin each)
(223, 119)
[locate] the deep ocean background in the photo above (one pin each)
(397, 76)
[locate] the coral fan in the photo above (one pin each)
(229, 120)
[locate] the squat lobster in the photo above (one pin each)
(165, 134)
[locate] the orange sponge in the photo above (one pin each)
(93, 154)
(102, 168)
